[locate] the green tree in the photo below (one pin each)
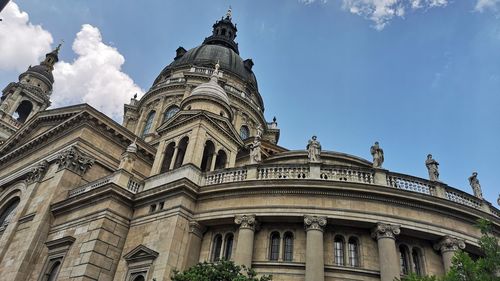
(219, 271)
(464, 268)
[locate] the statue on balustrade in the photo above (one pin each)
(432, 167)
(314, 149)
(476, 187)
(255, 151)
(378, 155)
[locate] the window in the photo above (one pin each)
(8, 212)
(353, 252)
(23, 110)
(417, 262)
(171, 111)
(404, 259)
(208, 154)
(288, 246)
(181, 151)
(274, 249)
(220, 160)
(139, 278)
(149, 123)
(167, 158)
(57, 249)
(228, 246)
(216, 247)
(338, 244)
(152, 208)
(244, 132)
(54, 271)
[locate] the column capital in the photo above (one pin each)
(314, 223)
(246, 221)
(37, 173)
(383, 230)
(196, 228)
(448, 243)
(75, 160)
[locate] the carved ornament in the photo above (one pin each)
(314, 223)
(74, 160)
(448, 244)
(383, 230)
(38, 172)
(246, 221)
(196, 228)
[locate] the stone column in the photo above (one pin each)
(244, 248)
(315, 264)
(196, 231)
(174, 157)
(448, 246)
(388, 257)
(212, 164)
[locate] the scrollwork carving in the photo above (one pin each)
(314, 223)
(383, 230)
(74, 160)
(246, 221)
(449, 244)
(38, 172)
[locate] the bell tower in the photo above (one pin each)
(31, 94)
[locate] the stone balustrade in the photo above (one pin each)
(120, 178)
(409, 183)
(347, 174)
(282, 172)
(463, 198)
(224, 176)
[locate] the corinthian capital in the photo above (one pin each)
(38, 172)
(246, 221)
(314, 223)
(74, 160)
(449, 244)
(383, 230)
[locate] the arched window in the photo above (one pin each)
(404, 259)
(353, 252)
(208, 154)
(274, 249)
(171, 111)
(8, 212)
(54, 271)
(167, 158)
(417, 261)
(338, 244)
(220, 160)
(181, 151)
(139, 278)
(244, 132)
(216, 247)
(228, 246)
(288, 246)
(149, 123)
(23, 110)
(223, 31)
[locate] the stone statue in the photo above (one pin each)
(432, 167)
(476, 187)
(259, 131)
(378, 155)
(255, 152)
(314, 150)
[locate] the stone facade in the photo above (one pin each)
(83, 198)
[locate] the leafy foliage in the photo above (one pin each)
(219, 271)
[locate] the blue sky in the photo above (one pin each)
(418, 76)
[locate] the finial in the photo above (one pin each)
(135, 96)
(229, 13)
(59, 46)
(274, 119)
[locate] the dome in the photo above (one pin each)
(206, 55)
(211, 89)
(40, 70)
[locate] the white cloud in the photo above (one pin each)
(380, 12)
(483, 5)
(94, 77)
(308, 2)
(21, 42)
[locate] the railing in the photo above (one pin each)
(90, 186)
(409, 183)
(202, 70)
(134, 185)
(124, 180)
(463, 198)
(226, 176)
(283, 172)
(347, 174)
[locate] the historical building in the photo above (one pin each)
(195, 173)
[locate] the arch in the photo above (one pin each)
(181, 151)
(149, 123)
(208, 154)
(244, 132)
(223, 32)
(8, 211)
(288, 246)
(339, 250)
(416, 256)
(54, 270)
(167, 158)
(139, 278)
(23, 110)
(404, 259)
(171, 111)
(353, 247)
(220, 160)
(274, 246)
(216, 247)
(228, 246)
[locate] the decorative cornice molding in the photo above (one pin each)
(383, 230)
(196, 228)
(448, 244)
(314, 223)
(246, 221)
(74, 160)
(38, 172)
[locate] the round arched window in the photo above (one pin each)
(8, 212)
(171, 111)
(244, 132)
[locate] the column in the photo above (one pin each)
(174, 157)
(196, 231)
(212, 164)
(448, 246)
(244, 248)
(388, 257)
(315, 264)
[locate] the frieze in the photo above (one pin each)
(38, 172)
(383, 230)
(74, 160)
(314, 223)
(246, 221)
(448, 244)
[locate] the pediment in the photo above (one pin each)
(141, 253)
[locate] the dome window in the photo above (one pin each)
(149, 123)
(171, 111)
(244, 132)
